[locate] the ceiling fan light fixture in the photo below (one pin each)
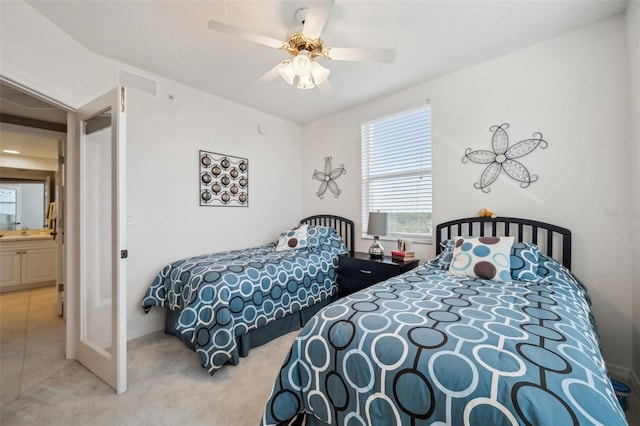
(319, 73)
(287, 72)
(308, 71)
(305, 45)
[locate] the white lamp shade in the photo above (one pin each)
(287, 72)
(377, 224)
(309, 72)
(301, 64)
(319, 73)
(305, 82)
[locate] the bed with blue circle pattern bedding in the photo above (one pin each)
(224, 295)
(427, 347)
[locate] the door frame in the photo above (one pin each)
(68, 238)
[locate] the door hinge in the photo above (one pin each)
(60, 287)
(60, 159)
(124, 254)
(121, 98)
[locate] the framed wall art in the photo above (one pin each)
(224, 180)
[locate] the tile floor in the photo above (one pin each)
(32, 340)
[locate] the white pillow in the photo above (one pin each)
(483, 257)
(293, 239)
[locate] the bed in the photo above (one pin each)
(455, 341)
(222, 304)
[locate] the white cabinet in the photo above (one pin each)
(38, 265)
(10, 273)
(27, 264)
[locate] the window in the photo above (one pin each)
(8, 202)
(396, 172)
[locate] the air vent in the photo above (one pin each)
(128, 79)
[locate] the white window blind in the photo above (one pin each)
(396, 171)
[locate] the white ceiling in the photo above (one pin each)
(29, 144)
(20, 104)
(432, 38)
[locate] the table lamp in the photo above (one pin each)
(377, 226)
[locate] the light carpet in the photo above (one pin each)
(166, 386)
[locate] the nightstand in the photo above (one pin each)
(360, 271)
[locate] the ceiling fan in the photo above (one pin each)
(306, 47)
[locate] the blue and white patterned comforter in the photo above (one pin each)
(224, 295)
(429, 348)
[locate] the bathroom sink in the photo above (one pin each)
(21, 237)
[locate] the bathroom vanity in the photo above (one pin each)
(27, 260)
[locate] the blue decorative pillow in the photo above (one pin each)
(324, 238)
(524, 261)
(293, 239)
(483, 257)
(319, 235)
(443, 260)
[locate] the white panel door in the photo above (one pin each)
(100, 339)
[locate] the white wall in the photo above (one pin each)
(163, 139)
(573, 89)
(25, 162)
(633, 47)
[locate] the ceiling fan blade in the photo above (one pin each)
(247, 35)
(361, 55)
(270, 75)
(317, 15)
(326, 88)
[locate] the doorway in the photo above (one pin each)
(33, 134)
(74, 217)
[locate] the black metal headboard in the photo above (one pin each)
(344, 227)
(524, 230)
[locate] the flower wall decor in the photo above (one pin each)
(328, 177)
(503, 158)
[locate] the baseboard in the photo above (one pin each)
(619, 372)
(27, 286)
(142, 333)
(635, 381)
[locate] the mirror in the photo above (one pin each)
(22, 206)
(25, 198)
(32, 135)
(28, 176)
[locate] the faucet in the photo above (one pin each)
(24, 230)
